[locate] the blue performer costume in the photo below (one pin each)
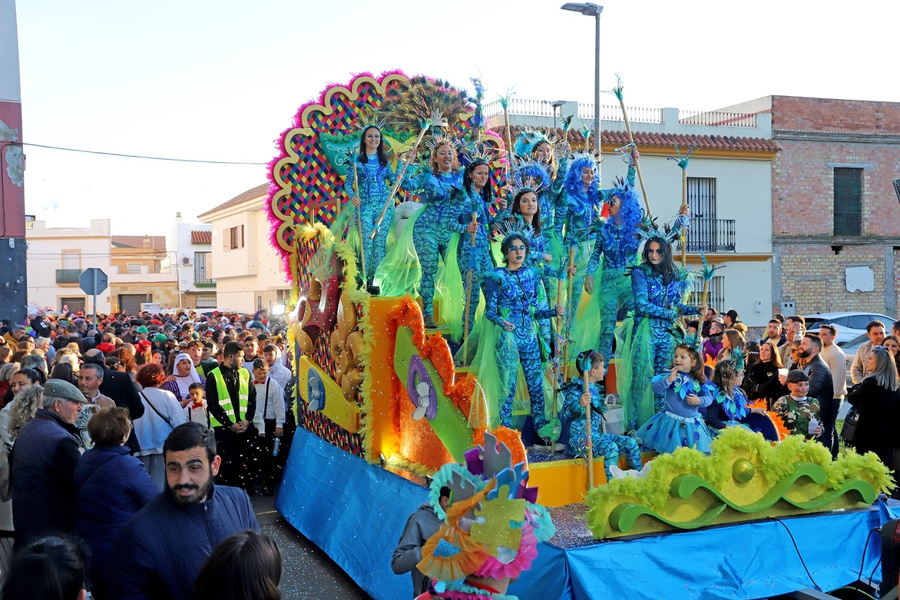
(374, 182)
(617, 240)
(607, 445)
(727, 411)
(477, 258)
(584, 202)
(512, 305)
(680, 424)
(445, 200)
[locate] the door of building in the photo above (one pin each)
(130, 304)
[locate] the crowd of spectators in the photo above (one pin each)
(119, 443)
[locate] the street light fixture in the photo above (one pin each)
(556, 104)
(592, 10)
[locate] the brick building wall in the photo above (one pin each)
(814, 136)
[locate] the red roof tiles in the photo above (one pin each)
(201, 237)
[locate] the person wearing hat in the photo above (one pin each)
(730, 318)
(43, 470)
(141, 333)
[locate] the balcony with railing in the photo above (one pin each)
(64, 276)
(710, 236)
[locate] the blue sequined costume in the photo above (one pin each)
(480, 260)
(445, 201)
(583, 208)
(680, 424)
(374, 185)
(727, 411)
(618, 243)
(513, 297)
(607, 445)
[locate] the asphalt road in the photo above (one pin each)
(307, 572)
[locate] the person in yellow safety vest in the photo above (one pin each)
(232, 404)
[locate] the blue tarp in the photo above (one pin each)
(356, 512)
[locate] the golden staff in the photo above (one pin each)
(402, 172)
(569, 302)
(590, 433)
(618, 93)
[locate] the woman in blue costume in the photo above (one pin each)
(685, 392)
(607, 445)
(512, 305)
(658, 289)
(476, 181)
(617, 241)
(585, 200)
(374, 178)
(527, 210)
(553, 198)
(442, 193)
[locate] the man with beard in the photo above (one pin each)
(159, 553)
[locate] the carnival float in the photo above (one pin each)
(388, 389)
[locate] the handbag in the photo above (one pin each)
(848, 431)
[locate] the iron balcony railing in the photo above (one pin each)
(67, 275)
(710, 235)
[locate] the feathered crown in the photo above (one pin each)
(513, 226)
(528, 168)
(683, 337)
(439, 139)
(740, 360)
(366, 121)
(473, 152)
(649, 229)
(528, 139)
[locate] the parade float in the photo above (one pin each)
(382, 403)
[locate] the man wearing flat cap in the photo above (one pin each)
(43, 465)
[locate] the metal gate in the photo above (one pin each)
(130, 304)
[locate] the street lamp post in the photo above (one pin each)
(592, 10)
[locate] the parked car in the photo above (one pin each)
(850, 349)
(850, 325)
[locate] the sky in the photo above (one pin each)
(220, 80)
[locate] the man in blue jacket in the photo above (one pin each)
(160, 551)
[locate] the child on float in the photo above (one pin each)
(797, 409)
(730, 406)
(685, 391)
(607, 445)
(195, 410)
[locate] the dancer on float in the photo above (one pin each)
(585, 200)
(730, 406)
(476, 181)
(374, 178)
(535, 146)
(512, 305)
(444, 198)
(658, 288)
(526, 208)
(617, 241)
(686, 391)
(607, 445)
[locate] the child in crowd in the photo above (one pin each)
(730, 406)
(195, 410)
(686, 391)
(607, 445)
(796, 409)
(269, 422)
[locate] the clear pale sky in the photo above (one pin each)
(220, 80)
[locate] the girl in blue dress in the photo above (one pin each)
(685, 391)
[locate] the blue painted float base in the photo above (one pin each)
(355, 513)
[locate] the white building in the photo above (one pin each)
(246, 269)
(191, 245)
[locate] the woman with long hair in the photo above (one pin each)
(761, 380)
(246, 566)
(731, 339)
(878, 399)
(373, 178)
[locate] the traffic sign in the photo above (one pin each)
(93, 281)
